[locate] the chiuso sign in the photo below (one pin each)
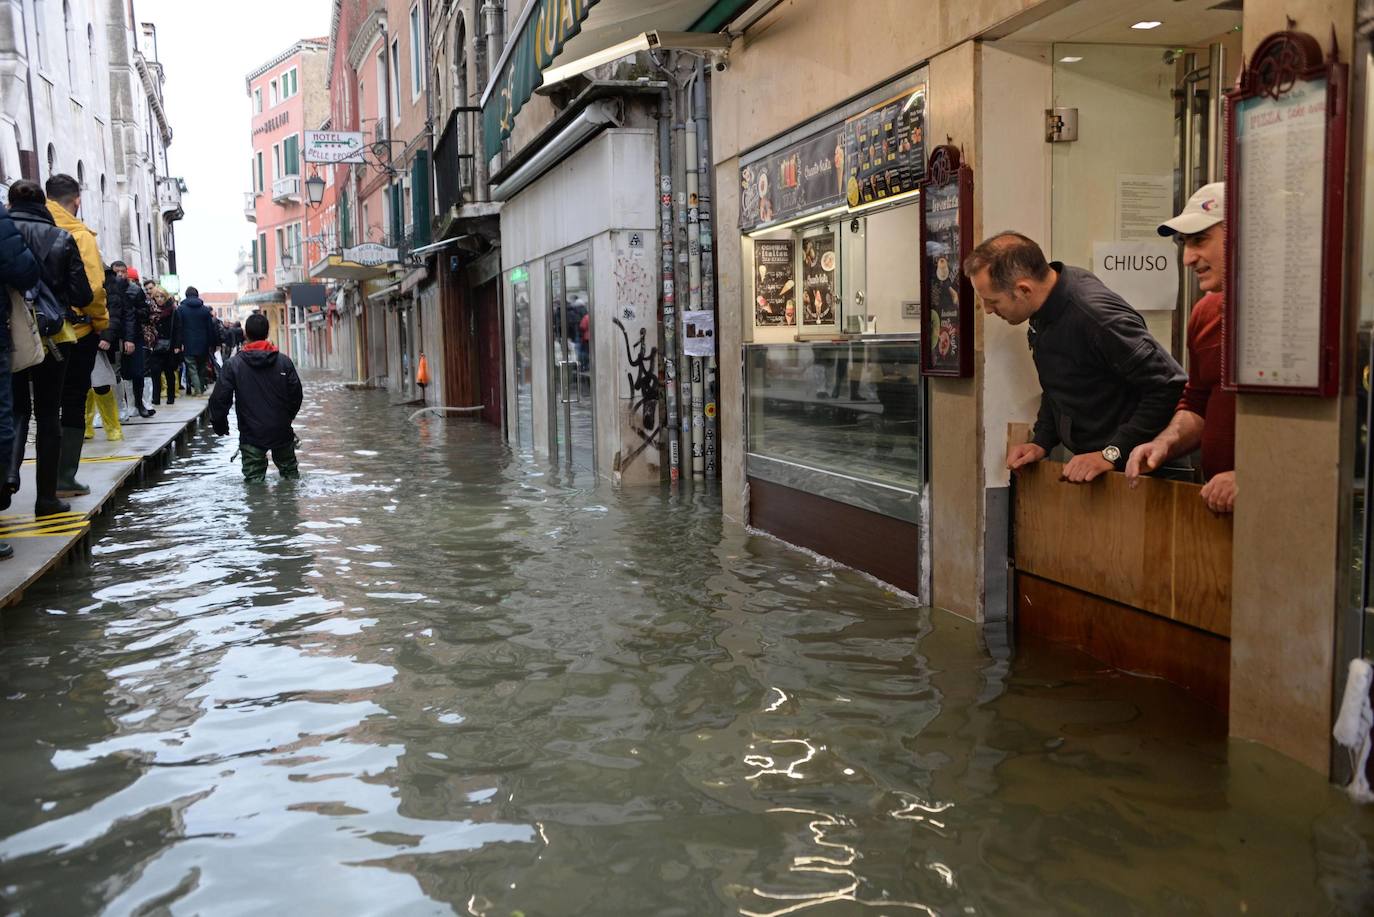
(545, 28)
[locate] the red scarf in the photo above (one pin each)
(261, 345)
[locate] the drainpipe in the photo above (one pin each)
(692, 158)
(668, 306)
(681, 275)
(702, 108)
(493, 21)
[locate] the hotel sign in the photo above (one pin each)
(334, 147)
(545, 28)
(370, 254)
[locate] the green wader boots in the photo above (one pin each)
(255, 463)
(73, 438)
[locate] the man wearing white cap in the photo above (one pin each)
(1206, 415)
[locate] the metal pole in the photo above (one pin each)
(680, 272)
(692, 157)
(706, 240)
(493, 20)
(668, 305)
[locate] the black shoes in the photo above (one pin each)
(50, 507)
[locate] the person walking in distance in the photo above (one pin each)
(163, 338)
(262, 385)
(18, 271)
(134, 368)
(198, 338)
(88, 323)
(39, 390)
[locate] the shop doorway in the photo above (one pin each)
(572, 426)
(490, 349)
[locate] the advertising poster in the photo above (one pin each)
(699, 333)
(885, 150)
(818, 279)
(775, 288)
(941, 205)
(803, 178)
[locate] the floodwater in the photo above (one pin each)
(436, 678)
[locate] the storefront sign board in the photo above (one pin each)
(946, 237)
(1286, 140)
(884, 149)
(1145, 274)
(775, 285)
(806, 177)
(334, 147)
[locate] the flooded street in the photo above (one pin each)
(435, 678)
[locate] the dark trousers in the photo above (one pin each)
(78, 381)
(38, 393)
(195, 373)
(164, 366)
(255, 462)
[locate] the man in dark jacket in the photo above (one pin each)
(198, 338)
(263, 387)
(18, 271)
(1106, 384)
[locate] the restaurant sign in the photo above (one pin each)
(545, 28)
(371, 254)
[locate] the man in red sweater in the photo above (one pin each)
(1206, 415)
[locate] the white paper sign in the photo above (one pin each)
(1145, 274)
(699, 334)
(1142, 203)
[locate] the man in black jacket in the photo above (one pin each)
(263, 385)
(18, 271)
(1106, 384)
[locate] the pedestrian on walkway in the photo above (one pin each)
(262, 385)
(18, 271)
(38, 391)
(112, 343)
(164, 346)
(64, 203)
(133, 369)
(198, 338)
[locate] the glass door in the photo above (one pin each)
(572, 426)
(519, 279)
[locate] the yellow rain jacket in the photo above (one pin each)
(98, 314)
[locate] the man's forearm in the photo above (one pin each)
(1182, 435)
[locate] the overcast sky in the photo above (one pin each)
(207, 50)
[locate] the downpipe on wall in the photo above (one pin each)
(706, 245)
(692, 157)
(667, 299)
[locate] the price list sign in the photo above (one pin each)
(885, 149)
(1285, 216)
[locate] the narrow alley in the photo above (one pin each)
(433, 677)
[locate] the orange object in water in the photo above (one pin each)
(422, 372)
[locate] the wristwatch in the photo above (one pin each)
(1112, 454)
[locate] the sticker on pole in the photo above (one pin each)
(334, 147)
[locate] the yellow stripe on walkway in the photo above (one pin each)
(49, 533)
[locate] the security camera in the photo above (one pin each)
(722, 66)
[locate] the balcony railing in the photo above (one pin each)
(454, 160)
(285, 276)
(250, 206)
(287, 188)
(169, 198)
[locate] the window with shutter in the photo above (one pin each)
(291, 148)
(419, 197)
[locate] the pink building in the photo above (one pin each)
(288, 96)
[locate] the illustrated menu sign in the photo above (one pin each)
(884, 149)
(1286, 132)
(774, 282)
(803, 178)
(946, 232)
(818, 279)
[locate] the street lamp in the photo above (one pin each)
(286, 261)
(314, 189)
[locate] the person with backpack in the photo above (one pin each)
(263, 386)
(18, 271)
(38, 390)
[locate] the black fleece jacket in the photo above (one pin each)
(1105, 380)
(263, 387)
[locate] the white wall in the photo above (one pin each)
(1015, 180)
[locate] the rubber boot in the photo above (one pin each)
(108, 406)
(143, 409)
(70, 463)
(21, 440)
(90, 415)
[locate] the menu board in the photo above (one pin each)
(774, 282)
(818, 279)
(946, 235)
(1280, 144)
(803, 178)
(885, 150)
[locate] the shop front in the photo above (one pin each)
(835, 404)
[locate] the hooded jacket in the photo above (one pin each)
(263, 387)
(18, 266)
(122, 309)
(95, 310)
(59, 258)
(197, 327)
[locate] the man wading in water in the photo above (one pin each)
(268, 393)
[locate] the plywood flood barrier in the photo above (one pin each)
(1139, 577)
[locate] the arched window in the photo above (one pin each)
(52, 160)
(70, 31)
(40, 36)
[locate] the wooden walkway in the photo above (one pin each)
(43, 544)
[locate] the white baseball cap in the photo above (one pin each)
(1205, 209)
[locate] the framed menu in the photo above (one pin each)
(946, 237)
(1286, 139)
(885, 150)
(775, 284)
(818, 279)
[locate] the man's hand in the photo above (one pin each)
(1220, 493)
(1084, 468)
(104, 345)
(178, 350)
(128, 347)
(1144, 459)
(1024, 454)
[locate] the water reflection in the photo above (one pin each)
(435, 678)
